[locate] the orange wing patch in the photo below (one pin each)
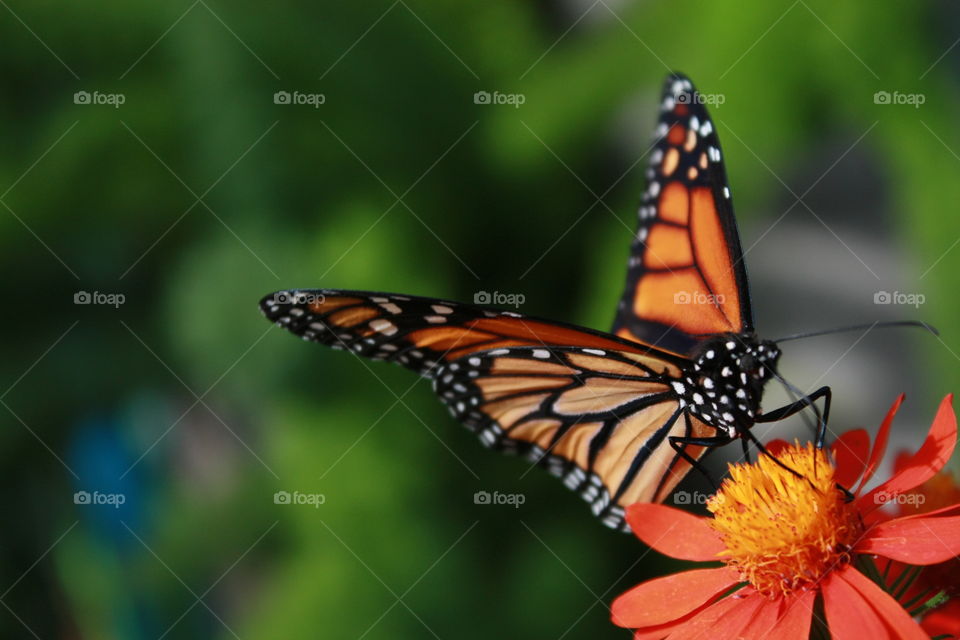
(714, 258)
(668, 247)
(695, 288)
(675, 203)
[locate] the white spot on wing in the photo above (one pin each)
(384, 326)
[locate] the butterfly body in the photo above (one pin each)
(724, 385)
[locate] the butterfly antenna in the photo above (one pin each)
(861, 327)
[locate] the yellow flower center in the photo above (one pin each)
(783, 531)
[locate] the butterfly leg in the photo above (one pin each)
(783, 412)
(800, 405)
(748, 436)
(677, 443)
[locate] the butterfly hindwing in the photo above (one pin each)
(599, 419)
(686, 279)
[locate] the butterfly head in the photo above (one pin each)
(759, 361)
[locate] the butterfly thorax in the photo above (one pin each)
(724, 383)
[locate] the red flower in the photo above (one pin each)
(786, 540)
(943, 579)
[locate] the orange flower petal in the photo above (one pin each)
(666, 599)
(673, 532)
(880, 444)
(725, 620)
(794, 622)
(920, 541)
(925, 463)
(898, 621)
(850, 453)
(764, 619)
(900, 460)
(662, 631)
(656, 633)
(849, 615)
(953, 509)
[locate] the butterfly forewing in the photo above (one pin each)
(419, 333)
(685, 279)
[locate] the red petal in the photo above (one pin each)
(764, 619)
(880, 443)
(898, 621)
(900, 460)
(919, 541)
(925, 463)
(722, 621)
(850, 453)
(673, 532)
(849, 615)
(660, 632)
(953, 509)
(794, 622)
(666, 599)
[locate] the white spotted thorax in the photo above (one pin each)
(724, 385)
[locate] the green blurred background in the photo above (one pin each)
(199, 194)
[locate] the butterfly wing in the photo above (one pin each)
(593, 408)
(599, 419)
(686, 277)
(421, 333)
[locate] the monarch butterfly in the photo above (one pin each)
(621, 417)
